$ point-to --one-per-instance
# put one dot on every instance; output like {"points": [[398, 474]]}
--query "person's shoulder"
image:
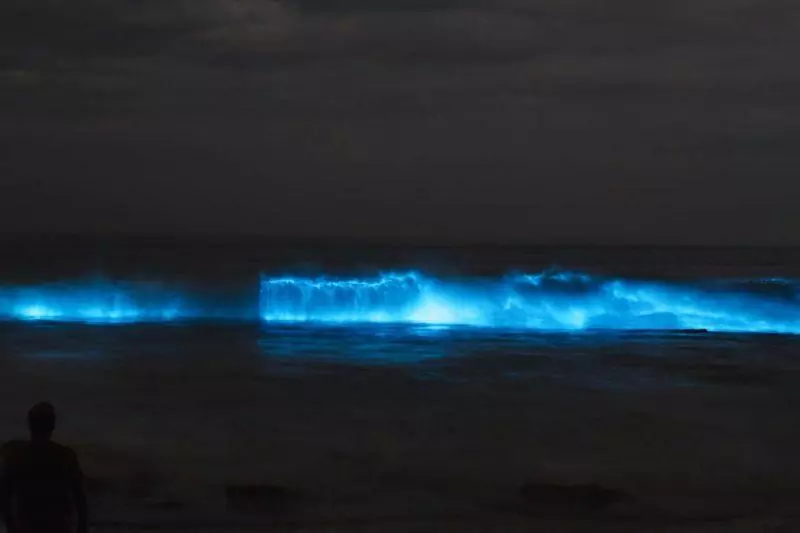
{"points": [[11, 447], [11, 452]]}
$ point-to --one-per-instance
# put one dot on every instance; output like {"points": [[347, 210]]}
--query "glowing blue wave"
{"points": [[97, 302], [552, 300]]}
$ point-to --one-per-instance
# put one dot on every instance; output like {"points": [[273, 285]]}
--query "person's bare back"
{"points": [[42, 483]]}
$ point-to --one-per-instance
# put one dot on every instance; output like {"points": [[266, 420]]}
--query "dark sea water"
{"points": [[176, 406]]}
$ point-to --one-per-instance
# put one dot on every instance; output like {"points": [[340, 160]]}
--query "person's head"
{"points": [[42, 420]]}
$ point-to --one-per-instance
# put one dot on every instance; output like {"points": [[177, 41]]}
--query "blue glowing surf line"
{"points": [[551, 300], [102, 302]]}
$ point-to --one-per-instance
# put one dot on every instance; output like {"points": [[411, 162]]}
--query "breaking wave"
{"points": [[93, 302], [551, 300]]}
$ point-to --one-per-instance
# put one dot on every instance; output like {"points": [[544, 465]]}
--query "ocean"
{"points": [[400, 380]]}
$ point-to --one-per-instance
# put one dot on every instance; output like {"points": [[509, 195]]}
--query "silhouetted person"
{"points": [[42, 484]]}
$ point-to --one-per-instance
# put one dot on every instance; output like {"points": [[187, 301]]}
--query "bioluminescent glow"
{"points": [[551, 300], [97, 302]]}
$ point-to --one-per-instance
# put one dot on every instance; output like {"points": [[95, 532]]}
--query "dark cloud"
{"points": [[41, 30], [461, 120], [370, 6], [275, 31]]}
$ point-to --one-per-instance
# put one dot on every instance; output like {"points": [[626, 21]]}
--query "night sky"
{"points": [[508, 121]]}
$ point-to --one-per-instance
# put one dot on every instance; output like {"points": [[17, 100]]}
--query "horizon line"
{"points": [[338, 240]]}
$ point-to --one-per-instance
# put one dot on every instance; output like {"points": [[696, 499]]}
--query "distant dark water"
{"points": [[241, 260]]}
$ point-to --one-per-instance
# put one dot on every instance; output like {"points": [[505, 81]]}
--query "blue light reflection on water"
{"points": [[359, 353], [637, 359], [548, 301]]}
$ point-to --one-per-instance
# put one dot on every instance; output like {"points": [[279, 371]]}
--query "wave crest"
{"points": [[550, 300]]}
